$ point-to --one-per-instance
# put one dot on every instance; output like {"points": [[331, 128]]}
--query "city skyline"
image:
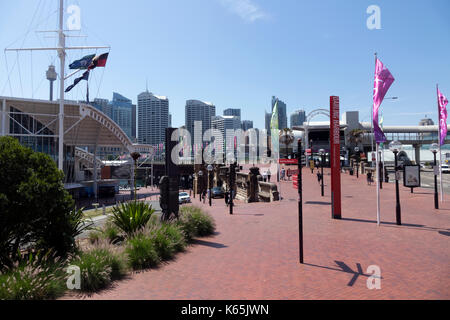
{"points": [[321, 61]]}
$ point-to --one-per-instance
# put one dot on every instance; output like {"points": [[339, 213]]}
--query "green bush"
{"points": [[99, 266], [141, 251], [33, 278], [176, 236], [132, 216], [35, 209], [195, 223]]}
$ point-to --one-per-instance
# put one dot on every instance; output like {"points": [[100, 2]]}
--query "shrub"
{"points": [[164, 246], [112, 233], [99, 266], [176, 236], [141, 251], [195, 223], [132, 216], [35, 209], [33, 278]]}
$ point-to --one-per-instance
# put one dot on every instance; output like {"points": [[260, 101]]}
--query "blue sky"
{"points": [[238, 53]]}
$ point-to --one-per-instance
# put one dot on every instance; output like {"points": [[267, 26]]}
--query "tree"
{"points": [[35, 209]]}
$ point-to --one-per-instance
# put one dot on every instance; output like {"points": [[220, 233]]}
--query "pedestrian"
{"points": [[226, 198], [204, 195], [319, 176], [283, 174], [369, 178], [268, 175]]}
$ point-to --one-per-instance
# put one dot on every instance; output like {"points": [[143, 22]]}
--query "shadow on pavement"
{"points": [[209, 244]]}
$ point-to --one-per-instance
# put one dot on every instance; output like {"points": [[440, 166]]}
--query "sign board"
{"points": [[436, 170], [335, 157], [411, 176], [288, 161]]}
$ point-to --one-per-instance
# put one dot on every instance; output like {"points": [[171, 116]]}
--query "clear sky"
{"points": [[238, 53]]}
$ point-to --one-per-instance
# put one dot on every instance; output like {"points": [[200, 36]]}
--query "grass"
{"points": [[142, 252], [195, 222], [92, 213]]}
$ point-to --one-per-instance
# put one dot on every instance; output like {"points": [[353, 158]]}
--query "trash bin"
{"points": [[351, 172]]}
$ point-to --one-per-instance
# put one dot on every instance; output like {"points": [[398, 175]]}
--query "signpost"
{"points": [[335, 158], [411, 176]]}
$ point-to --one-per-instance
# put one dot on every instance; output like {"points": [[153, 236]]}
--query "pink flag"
{"points": [[383, 81], [442, 103]]}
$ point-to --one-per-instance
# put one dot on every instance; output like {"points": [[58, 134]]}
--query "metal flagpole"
{"points": [[62, 57], [377, 163], [439, 143]]}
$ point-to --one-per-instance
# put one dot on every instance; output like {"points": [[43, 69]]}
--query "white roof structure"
{"points": [[84, 125]]}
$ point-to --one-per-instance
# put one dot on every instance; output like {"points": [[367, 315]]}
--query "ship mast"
{"points": [[61, 50]]}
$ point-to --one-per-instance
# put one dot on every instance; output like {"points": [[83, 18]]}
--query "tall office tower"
{"points": [[247, 124], [268, 119], [198, 111], [224, 123], [282, 118], [297, 118], [153, 118], [104, 106], [122, 111], [232, 112]]}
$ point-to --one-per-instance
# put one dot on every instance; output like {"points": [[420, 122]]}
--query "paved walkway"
{"points": [[254, 254]]}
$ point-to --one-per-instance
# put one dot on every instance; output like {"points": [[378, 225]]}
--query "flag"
{"points": [[85, 76], [99, 61], [382, 83], [442, 103], [274, 130], [83, 63]]}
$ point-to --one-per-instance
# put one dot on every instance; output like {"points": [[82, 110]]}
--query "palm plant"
{"points": [[132, 216]]}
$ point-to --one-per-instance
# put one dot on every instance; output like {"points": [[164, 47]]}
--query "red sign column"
{"points": [[335, 158]]}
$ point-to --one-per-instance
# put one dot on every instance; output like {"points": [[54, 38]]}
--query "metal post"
{"points": [[210, 192], [322, 174], [300, 202], [380, 172], [397, 194], [4, 117], [62, 56], [436, 197], [95, 173], [231, 181]]}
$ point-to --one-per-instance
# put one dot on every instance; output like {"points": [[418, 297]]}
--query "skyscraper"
{"points": [[153, 118], [282, 118], [232, 112], [198, 111], [247, 124], [224, 123], [122, 113], [297, 118]]}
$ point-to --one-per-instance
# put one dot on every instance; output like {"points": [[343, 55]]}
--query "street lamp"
{"points": [[434, 148], [210, 169], [396, 147], [357, 161], [322, 154]]}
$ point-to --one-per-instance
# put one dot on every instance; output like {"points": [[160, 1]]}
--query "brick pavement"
{"points": [[254, 254]]}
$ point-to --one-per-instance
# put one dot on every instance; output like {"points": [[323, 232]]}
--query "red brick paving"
{"points": [[254, 254]]}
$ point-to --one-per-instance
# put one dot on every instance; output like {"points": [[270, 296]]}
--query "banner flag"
{"points": [[382, 83], [442, 103]]}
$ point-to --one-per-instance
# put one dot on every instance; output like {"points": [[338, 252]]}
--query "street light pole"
{"points": [[397, 193], [322, 153], [300, 201], [210, 168]]}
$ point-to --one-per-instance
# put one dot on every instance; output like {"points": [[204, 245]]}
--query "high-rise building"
{"points": [[170, 120], [247, 124], [232, 112], [153, 118], [268, 119], [198, 111], [121, 110], [297, 118], [282, 118], [224, 123]]}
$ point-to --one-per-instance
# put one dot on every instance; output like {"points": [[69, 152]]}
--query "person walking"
{"points": [[226, 198], [319, 176], [204, 196], [268, 175], [369, 178]]}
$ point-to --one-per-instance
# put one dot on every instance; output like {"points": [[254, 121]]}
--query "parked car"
{"points": [[445, 168], [183, 197], [218, 192]]}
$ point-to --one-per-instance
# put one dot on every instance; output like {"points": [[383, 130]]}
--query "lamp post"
{"points": [[300, 201], [434, 148], [210, 169], [322, 154], [396, 147], [135, 156], [230, 158], [357, 161]]}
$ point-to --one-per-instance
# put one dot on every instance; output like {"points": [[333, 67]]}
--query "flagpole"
{"points": [[377, 160], [439, 142]]}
